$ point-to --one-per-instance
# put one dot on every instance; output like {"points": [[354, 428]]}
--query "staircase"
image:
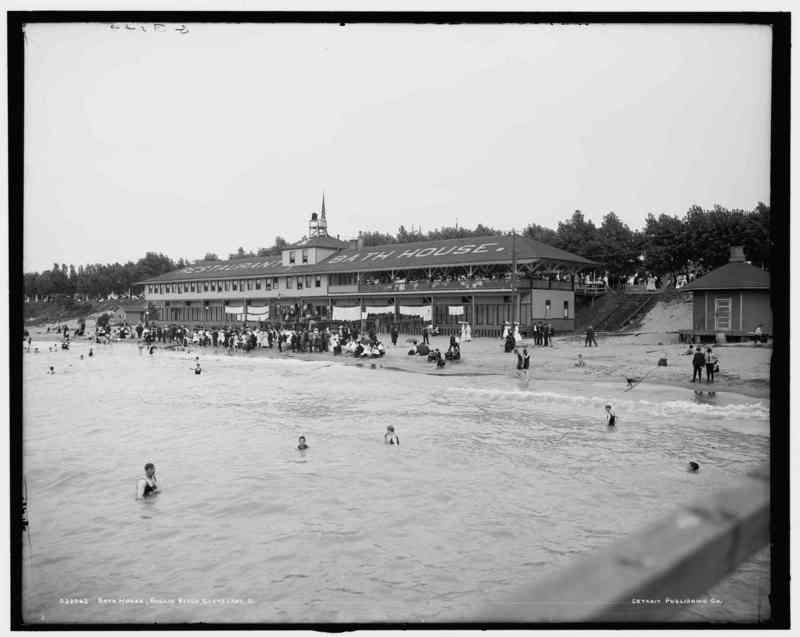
{"points": [[615, 310], [630, 307]]}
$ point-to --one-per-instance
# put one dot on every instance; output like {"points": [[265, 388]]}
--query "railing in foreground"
{"points": [[682, 556]]}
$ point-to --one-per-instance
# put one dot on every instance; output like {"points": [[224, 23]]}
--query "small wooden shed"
{"points": [[732, 300]]}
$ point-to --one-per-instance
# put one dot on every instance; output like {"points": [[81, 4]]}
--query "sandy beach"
{"points": [[744, 368]]}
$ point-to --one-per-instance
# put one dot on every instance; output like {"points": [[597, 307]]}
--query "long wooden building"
{"points": [[482, 280]]}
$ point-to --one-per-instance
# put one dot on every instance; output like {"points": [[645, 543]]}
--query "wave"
{"points": [[752, 410]]}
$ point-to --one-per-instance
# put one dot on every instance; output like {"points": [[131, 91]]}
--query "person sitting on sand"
{"points": [[693, 467], [147, 486], [580, 362], [301, 443], [611, 417], [390, 437], [52, 370], [197, 369]]}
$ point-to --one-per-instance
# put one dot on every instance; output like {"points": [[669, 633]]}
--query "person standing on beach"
{"points": [[698, 361], [711, 361], [590, 339], [395, 333]]}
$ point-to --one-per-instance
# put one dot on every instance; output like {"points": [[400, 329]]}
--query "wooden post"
{"points": [[681, 556], [474, 316]]}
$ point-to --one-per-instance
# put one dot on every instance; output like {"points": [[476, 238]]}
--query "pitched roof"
{"points": [[732, 276], [393, 256], [320, 242], [447, 253]]}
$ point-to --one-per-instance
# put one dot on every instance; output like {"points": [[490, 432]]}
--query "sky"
{"points": [[210, 137]]}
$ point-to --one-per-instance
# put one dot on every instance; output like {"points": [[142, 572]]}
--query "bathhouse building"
{"points": [[731, 301], [483, 280]]}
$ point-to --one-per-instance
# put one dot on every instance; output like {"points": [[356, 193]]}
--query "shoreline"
{"points": [[745, 369]]}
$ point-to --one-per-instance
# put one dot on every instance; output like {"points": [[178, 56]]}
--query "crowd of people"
{"points": [[341, 340]]}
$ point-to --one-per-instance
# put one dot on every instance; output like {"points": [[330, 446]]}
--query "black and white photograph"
{"points": [[398, 319]]}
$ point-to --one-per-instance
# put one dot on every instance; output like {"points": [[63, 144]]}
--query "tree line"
{"points": [[666, 244]]}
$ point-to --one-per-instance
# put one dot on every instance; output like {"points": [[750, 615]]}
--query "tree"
{"points": [[211, 256], [619, 247], [579, 236], [664, 244], [540, 233]]}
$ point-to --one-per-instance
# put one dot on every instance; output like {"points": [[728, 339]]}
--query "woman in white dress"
{"points": [[467, 333]]}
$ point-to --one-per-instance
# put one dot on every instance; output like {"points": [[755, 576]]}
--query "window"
{"points": [[305, 256], [566, 309], [289, 283], [185, 287], [547, 309], [192, 286], [227, 285], [249, 284], [299, 283], [267, 284], [308, 281], [342, 279], [234, 285], [318, 281], [258, 284], [205, 286], [275, 283], [291, 258]]}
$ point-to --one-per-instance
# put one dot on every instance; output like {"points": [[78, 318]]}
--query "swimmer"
{"points": [[693, 467], [611, 417], [148, 485], [51, 370], [301, 443], [390, 437]]}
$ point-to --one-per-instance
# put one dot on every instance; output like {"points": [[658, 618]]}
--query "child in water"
{"points": [[197, 369], [390, 437], [611, 417], [51, 370], [301, 443]]}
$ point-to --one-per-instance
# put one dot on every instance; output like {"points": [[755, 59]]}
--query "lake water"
{"points": [[494, 485]]}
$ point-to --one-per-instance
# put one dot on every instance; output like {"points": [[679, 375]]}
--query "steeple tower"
{"points": [[318, 225]]}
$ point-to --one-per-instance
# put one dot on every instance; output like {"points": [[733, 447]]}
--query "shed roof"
{"points": [[735, 275]]}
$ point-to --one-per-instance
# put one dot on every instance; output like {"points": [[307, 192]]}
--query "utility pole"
{"points": [[514, 275]]}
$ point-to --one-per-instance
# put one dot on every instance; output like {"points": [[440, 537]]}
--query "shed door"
{"points": [[722, 313]]}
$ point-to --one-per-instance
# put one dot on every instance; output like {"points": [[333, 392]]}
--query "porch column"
{"points": [[474, 313]]}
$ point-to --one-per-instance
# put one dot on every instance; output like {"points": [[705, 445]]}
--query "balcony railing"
{"points": [[480, 284], [427, 286]]}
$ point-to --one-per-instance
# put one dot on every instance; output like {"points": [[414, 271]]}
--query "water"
{"points": [[494, 484]]}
